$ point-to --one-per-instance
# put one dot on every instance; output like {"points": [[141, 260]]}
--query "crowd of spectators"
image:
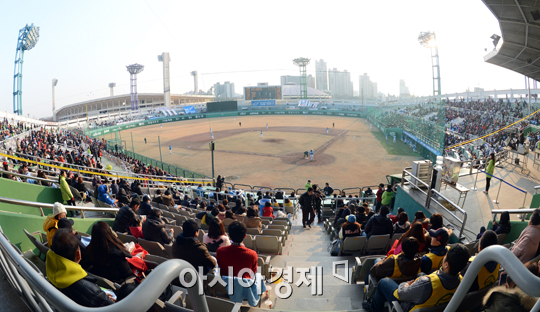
{"points": [[10, 128]]}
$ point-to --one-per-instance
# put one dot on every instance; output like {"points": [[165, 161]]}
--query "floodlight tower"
{"points": [[133, 70], [28, 37], [164, 57], [111, 86], [195, 75], [54, 83], [428, 40], [302, 62]]}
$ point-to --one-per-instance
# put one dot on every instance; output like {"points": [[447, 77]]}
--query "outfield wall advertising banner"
{"points": [[263, 103]]}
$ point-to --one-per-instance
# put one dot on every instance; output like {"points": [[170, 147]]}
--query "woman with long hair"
{"points": [[503, 226], [229, 218], [108, 255], [417, 231], [419, 216], [216, 236]]}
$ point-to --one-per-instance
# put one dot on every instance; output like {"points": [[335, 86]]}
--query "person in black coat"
{"points": [[154, 229], [380, 224], [136, 188], [76, 285], [125, 216], [108, 254], [122, 196], [145, 208]]}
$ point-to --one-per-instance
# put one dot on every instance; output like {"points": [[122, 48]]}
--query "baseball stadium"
{"points": [[287, 198]]}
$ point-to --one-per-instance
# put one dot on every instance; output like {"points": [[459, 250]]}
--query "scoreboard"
{"points": [[262, 93]]}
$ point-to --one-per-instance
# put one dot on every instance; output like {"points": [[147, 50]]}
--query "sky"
{"points": [[87, 44]]}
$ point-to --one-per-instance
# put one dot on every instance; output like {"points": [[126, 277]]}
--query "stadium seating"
{"points": [[355, 244]]}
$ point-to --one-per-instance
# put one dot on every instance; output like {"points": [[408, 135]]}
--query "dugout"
{"points": [[220, 107]]}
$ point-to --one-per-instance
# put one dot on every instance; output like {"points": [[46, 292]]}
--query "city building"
{"points": [[340, 84], [321, 75], [296, 80], [224, 91], [403, 89]]}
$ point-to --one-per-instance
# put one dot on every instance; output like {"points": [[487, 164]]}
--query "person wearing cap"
{"points": [[6, 175], [426, 291], [350, 227], [308, 185], [145, 208], [51, 222], [405, 264], [188, 247], [125, 216], [489, 273], [434, 258]]}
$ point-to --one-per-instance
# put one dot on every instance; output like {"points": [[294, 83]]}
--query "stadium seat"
{"points": [[249, 242], [276, 232], [156, 259], [355, 244], [501, 238], [177, 229], [216, 305], [268, 244], [285, 223], [377, 244], [253, 231], [41, 248], [94, 201], [163, 207], [473, 300], [167, 214], [103, 282], [361, 268], [154, 248], [125, 238], [201, 235], [180, 219], [393, 239], [397, 308]]}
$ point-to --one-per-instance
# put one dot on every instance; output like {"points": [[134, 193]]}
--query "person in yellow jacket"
{"points": [[51, 222], [489, 171], [64, 188], [65, 273], [489, 273], [426, 291]]}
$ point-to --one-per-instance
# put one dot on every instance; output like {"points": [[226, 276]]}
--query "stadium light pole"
{"points": [[302, 62], [133, 70], [54, 83], [27, 39], [429, 40]]}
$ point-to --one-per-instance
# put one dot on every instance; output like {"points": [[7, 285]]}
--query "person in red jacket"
{"points": [[379, 193], [236, 256], [268, 211]]}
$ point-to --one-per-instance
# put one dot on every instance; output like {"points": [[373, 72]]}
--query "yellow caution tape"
{"points": [[98, 173], [485, 136]]}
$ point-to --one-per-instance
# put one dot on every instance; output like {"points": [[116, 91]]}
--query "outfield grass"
{"points": [[398, 148]]}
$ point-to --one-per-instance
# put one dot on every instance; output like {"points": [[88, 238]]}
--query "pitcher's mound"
{"points": [[273, 140]]}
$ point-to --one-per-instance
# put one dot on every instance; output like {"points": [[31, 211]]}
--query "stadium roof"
{"points": [[519, 21], [293, 91]]}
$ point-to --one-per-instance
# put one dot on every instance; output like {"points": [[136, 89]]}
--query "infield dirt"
{"points": [[348, 156]]}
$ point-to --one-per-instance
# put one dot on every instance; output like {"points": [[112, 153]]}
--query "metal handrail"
{"points": [[50, 206], [513, 211], [523, 278], [27, 177], [434, 191], [141, 299]]}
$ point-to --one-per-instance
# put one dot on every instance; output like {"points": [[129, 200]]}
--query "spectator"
{"points": [[419, 216], [436, 222], [65, 273], [509, 297], [379, 224], [328, 191], [308, 185], [434, 258], [216, 236], [188, 247], [379, 194], [238, 205], [405, 264], [425, 291], [387, 195], [403, 224], [252, 220], [64, 188], [394, 218], [104, 196], [317, 203], [135, 228], [136, 188], [108, 254], [306, 203], [125, 216], [114, 188], [503, 226], [145, 207], [267, 195], [166, 199], [78, 185], [490, 168], [236, 257], [268, 210], [7, 175], [361, 214], [157, 198], [350, 228], [229, 218], [122, 196], [51, 222], [526, 246], [42, 175], [154, 228], [489, 273], [417, 231], [241, 214], [368, 192]]}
